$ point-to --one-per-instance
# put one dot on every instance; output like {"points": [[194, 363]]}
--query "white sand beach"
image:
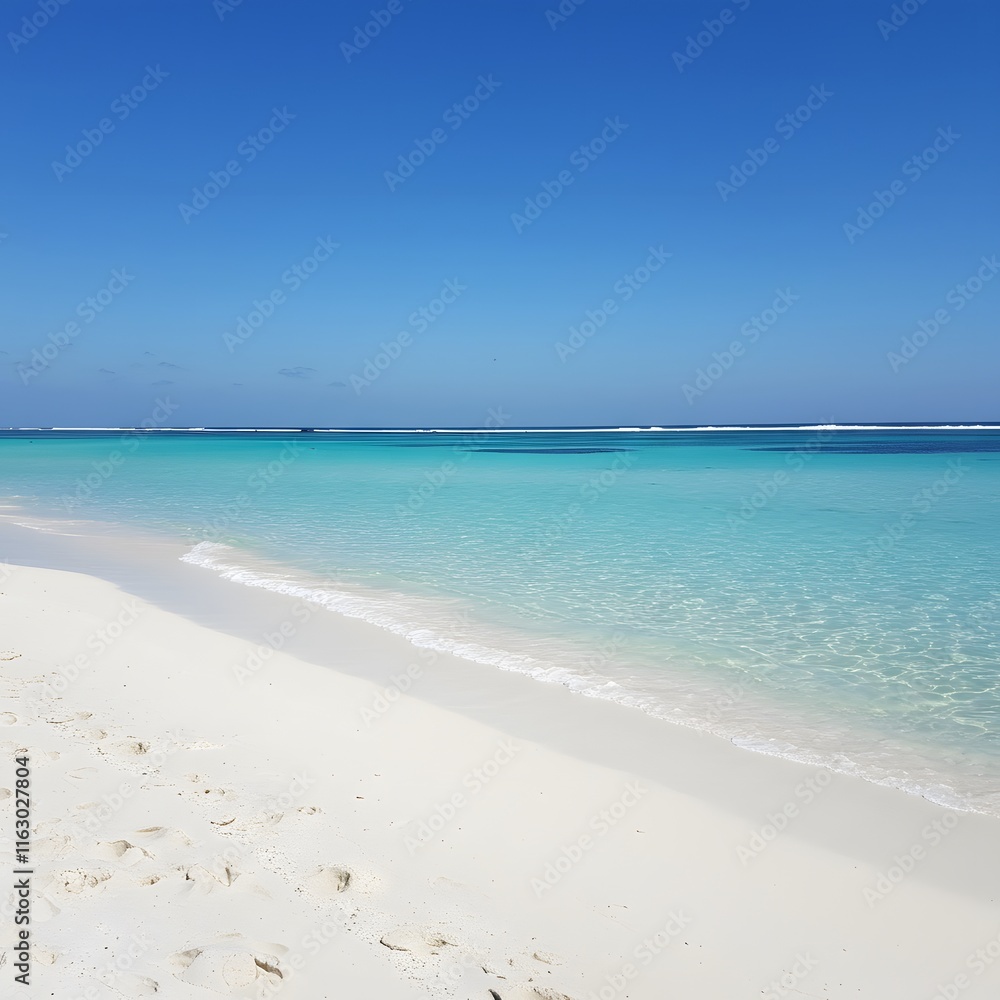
{"points": [[210, 821]]}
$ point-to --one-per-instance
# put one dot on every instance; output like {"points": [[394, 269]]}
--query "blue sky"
{"points": [[259, 138]]}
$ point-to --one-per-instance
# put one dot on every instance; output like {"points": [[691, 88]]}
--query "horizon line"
{"points": [[579, 428]]}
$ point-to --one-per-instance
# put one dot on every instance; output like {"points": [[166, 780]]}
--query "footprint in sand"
{"points": [[82, 773], [416, 940], [175, 838], [5, 793], [8, 654], [52, 845], [80, 880], [44, 909], [8, 719], [129, 984], [527, 991], [546, 957], [262, 821], [329, 881], [209, 879], [214, 794], [59, 720], [229, 968], [121, 850]]}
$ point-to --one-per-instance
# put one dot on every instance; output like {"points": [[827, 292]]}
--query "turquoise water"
{"points": [[830, 595]]}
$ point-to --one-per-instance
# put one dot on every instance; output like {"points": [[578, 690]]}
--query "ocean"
{"points": [[826, 594]]}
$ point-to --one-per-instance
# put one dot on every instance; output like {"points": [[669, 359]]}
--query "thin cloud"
{"points": [[298, 372]]}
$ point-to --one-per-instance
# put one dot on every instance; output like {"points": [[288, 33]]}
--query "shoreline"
{"points": [[580, 828], [788, 734]]}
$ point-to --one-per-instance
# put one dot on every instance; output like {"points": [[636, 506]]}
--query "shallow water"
{"points": [[827, 594]]}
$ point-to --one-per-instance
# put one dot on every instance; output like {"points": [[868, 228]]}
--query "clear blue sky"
{"points": [[212, 75]]}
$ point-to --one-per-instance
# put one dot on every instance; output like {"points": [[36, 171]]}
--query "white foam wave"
{"points": [[405, 616], [382, 611]]}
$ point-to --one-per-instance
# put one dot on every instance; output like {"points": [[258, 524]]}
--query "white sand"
{"points": [[199, 833]]}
